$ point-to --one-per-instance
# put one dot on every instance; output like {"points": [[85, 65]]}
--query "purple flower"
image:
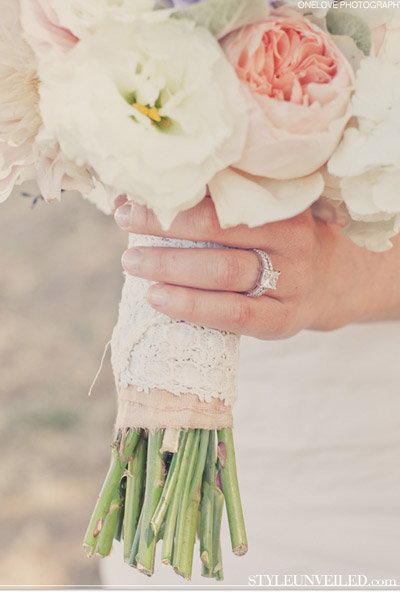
{"points": [[184, 2], [177, 3]]}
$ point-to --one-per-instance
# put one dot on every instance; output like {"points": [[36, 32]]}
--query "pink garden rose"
{"points": [[298, 87]]}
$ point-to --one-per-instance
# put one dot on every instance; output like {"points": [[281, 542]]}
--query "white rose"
{"points": [[154, 108], [368, 158]]}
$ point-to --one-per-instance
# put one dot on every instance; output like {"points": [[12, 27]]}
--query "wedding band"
{"points": [[267, 278]]}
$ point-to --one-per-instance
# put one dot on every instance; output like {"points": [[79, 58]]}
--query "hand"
{"points": [[326, 281]]}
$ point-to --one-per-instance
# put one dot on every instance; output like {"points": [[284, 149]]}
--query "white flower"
{"points": [[19, 114], [82, 16], [58, 24], [154, 108], [79, 16], [368, 158], [25, 153], [375, 235], [386, 38], [241, 198]]}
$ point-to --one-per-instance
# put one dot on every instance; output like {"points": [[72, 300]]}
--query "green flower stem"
{"points": [[195, 484], [187, 519], [207, 505], [172, 512], [121, 510], [218, 505], [122, 450], [160, 534], [135, 545], [205, 571], [185, 543], [230, 488], [133, 495], [217, 518], [189, 511], [155, 475], [198, 520], [110, 523], [170, 485], [219, 575]]}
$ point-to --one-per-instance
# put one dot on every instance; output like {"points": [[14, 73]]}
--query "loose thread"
{"points": [[100, 368]]}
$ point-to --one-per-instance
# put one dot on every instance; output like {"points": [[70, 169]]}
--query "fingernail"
{"points": [[131, 259], [123, 216], [119, 201], [321, 209], [158, 296]]}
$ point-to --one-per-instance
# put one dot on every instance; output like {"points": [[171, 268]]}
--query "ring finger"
{"points": [[204, 268]]}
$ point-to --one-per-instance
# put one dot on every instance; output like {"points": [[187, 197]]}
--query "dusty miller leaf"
{"points": [[341, 22], [221, 17]]}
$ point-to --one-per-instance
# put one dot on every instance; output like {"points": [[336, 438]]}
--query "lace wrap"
{"points": [[150, 351]]}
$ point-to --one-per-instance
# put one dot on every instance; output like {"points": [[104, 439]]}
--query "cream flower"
{"points": [[43, 29], [77, 17], [59, 24], [374, 235], [19, 114], [386, 38], [149, 107], [25, 151], [368, 158]]}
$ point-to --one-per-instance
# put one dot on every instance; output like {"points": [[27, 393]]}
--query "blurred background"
{"points": [[61, 279], [319, 472]]}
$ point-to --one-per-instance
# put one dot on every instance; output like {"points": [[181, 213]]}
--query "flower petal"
{"points": [[244, 199]]}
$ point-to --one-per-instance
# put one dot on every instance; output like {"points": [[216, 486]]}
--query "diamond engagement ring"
{"points": [[267, 278]]}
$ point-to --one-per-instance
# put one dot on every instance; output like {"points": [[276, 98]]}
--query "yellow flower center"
{"points": [[151, 112]]}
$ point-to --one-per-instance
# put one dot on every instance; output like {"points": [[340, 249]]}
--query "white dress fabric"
{"points": [[317, 436]]}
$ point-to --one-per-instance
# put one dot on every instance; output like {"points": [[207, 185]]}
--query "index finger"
{"points": [[200, 223]]}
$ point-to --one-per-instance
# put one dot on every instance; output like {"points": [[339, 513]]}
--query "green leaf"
{"points": [[221, 17], [341, 22]]}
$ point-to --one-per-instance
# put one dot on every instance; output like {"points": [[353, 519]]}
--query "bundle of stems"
{"points": [[153, 494]]}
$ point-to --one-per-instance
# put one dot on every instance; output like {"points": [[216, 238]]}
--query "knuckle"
{"points": [[148, 218], [227, 271], [161, 264], [285, 322], [192, 304], [278, 324], [240, 313], [301, 279], [207, 221], [142, 219]]}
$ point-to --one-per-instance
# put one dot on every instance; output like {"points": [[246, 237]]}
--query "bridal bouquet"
{"points": [[266, 107]]}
